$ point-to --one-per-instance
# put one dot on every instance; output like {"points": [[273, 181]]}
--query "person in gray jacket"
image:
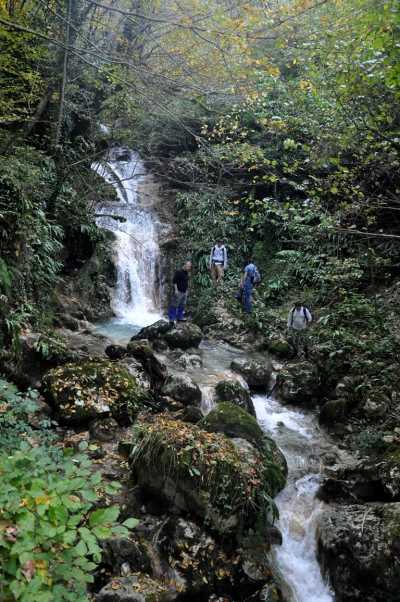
{"points": [[299, 319], [218, 261]]}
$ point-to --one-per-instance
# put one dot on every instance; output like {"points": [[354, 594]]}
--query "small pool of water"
{"points": [[118, 330]]}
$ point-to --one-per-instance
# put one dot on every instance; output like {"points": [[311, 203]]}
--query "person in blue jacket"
{"points": [[250, 278]]}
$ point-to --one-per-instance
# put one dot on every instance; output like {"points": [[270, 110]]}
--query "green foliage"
{"points": [[15, 411], [50, 532]]}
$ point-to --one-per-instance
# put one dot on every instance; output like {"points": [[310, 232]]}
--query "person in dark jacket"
{"points": [[180, 283]]}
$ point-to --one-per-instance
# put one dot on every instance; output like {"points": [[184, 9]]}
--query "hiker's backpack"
{"points": [[256, 279]]}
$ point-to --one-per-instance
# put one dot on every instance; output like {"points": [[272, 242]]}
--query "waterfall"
{"points": [[136, 297]]}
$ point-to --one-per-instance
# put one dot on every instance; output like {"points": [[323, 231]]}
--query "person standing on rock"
{"points": [[180, 283], [299, 319], [250, 278], [218, 261]]}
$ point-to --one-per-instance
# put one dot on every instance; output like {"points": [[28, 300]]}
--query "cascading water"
{"points": [[298, 436], [136, 300]]}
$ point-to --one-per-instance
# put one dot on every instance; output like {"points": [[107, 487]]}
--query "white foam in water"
{"points": [[136, 295], [296, 433]]}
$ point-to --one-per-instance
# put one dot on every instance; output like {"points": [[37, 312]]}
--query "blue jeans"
{"points": [[247, 293], [177, 308]]}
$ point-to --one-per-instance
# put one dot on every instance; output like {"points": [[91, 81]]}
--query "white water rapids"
{"points": [[136, 300], [298, 436]]}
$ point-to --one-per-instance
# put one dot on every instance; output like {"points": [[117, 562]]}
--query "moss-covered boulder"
{"points": [[278, 345], [204, 474], [92, 389], [235, 392], [233, 421], [299, 383]]}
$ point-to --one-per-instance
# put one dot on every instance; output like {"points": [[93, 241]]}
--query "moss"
{"points": [[84, 391], [205, 468], [233, 421], [233, 391]]}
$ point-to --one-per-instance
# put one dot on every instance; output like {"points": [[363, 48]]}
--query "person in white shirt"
{"points": [[299, 319], [218, 261]]}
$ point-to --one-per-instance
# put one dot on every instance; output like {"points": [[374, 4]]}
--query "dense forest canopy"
{"points": [[272, 125]]}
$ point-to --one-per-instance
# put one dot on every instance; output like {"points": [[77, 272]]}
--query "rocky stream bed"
{"points": [[172, 418]]}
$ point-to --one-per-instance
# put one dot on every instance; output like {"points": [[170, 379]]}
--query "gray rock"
{"points": [[103, 429], [299, 383], [115, 352], [256, 374], [155, 368], [359, 547], [182, 388], [186, 335], [234, 392], [187, 360], [136, 588], [154, 331]]}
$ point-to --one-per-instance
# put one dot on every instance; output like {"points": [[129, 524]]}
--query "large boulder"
{"points": [[299, 383], [93, 389], [257, 374], [182, 388], [221, 481], [359, 548], [185, 336], [235, 392], [154, 331], [236, 423]]}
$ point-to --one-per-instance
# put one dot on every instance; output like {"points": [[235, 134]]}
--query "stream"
{"points": [[136, 303]]}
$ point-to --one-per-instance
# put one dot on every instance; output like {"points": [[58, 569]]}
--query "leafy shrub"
{"points": [[15, 410], [50, 531]]}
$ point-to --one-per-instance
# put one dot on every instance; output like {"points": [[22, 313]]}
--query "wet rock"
{"points": [[187, 360], [115, 352], [256, 374], [359, 547], [154, 331], [233, 421], [334, 411], [299, 383], [189, 469], [182, 388], [279, 346], [104, 429], [157, 370], [192, 414], [236, 393], [186, 335], [136, 588], [364, 481], [270, 593], [94, 389], [119, 550]]}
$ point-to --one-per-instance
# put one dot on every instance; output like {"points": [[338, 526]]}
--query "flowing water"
{"points": [[302, 443], [136, 300], [136, 303]]}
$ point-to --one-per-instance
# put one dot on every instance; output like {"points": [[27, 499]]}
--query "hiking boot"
{"points": [[172, 323]]}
